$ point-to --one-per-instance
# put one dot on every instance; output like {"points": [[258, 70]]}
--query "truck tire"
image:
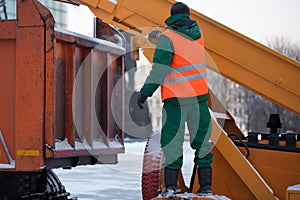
{"points": [[151, 167]]}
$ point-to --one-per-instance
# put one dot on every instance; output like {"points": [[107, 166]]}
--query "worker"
{"points": [[179, 68]]}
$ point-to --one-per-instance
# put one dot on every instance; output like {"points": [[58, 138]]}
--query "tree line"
{"points": [[252, 110]]}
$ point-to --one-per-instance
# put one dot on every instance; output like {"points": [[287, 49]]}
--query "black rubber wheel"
{"points": [[54, 188], [151, 167]]}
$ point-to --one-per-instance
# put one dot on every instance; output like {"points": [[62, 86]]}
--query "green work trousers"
{"points": [[198, 120]]}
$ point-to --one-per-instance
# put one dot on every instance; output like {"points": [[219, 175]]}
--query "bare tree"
{"points": [[285, 47], [256, 109], [290, 49]]}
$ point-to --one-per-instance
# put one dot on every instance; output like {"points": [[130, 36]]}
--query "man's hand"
{"points": [[141, 100]]}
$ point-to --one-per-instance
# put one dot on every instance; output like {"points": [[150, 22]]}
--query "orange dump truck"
{"points": [[61, 102]]}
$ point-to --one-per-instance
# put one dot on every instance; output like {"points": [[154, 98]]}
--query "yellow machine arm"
{"points": [[237, 57]]}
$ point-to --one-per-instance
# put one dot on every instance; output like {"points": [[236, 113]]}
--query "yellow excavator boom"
{"points": [[237, 57]]}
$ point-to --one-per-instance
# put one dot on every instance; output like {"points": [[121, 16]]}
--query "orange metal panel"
{"points": [[114, 93], [107, 5], [106, 16], [48, 24], [7, 88], [59, 89], [118, 103], [278, 168], [49, 103], [49, 82], [99, 87], [70, 76], [78, 107], [79, 63], [227, 182], [30, 76], [110, 99], [8, 29], [93, 3], [142, 13], [26, 18], [293, 193], [239, 164], [87, 99], [105, 102]]}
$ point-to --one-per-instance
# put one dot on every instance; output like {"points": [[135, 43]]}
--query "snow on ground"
{"points": [[121, 181]]}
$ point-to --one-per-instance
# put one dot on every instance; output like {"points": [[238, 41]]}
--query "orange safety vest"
{"points": [[188, 75]]}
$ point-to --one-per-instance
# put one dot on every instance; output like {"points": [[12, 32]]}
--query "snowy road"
{"points": [[114, 182]]}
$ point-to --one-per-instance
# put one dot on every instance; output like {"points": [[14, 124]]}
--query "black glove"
{"points": [[141, 100]]}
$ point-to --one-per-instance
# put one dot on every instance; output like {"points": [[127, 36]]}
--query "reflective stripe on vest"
{"points": [[188, 75], [179, 77]]}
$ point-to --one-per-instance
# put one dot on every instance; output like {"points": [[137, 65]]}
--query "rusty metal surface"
{"points": [[8, 29], [86, 62], [44, 114], [86, 72], [7, 86]]}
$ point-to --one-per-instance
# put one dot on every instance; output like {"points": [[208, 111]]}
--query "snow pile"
{"points": [[61, 145]]}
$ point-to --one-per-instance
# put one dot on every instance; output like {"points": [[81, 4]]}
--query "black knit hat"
{"points": [[181, 8]]}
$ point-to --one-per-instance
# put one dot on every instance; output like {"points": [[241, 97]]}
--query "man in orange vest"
{"points": [[179, 68]]}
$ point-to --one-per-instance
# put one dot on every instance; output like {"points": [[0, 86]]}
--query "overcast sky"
{"points": [[260, 20]]}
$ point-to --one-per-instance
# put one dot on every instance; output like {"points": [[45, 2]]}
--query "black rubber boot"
{"points": [[170, 178], [204, 179]]}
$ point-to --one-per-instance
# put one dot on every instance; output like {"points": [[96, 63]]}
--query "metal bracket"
{"points": [[51, 148]]}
